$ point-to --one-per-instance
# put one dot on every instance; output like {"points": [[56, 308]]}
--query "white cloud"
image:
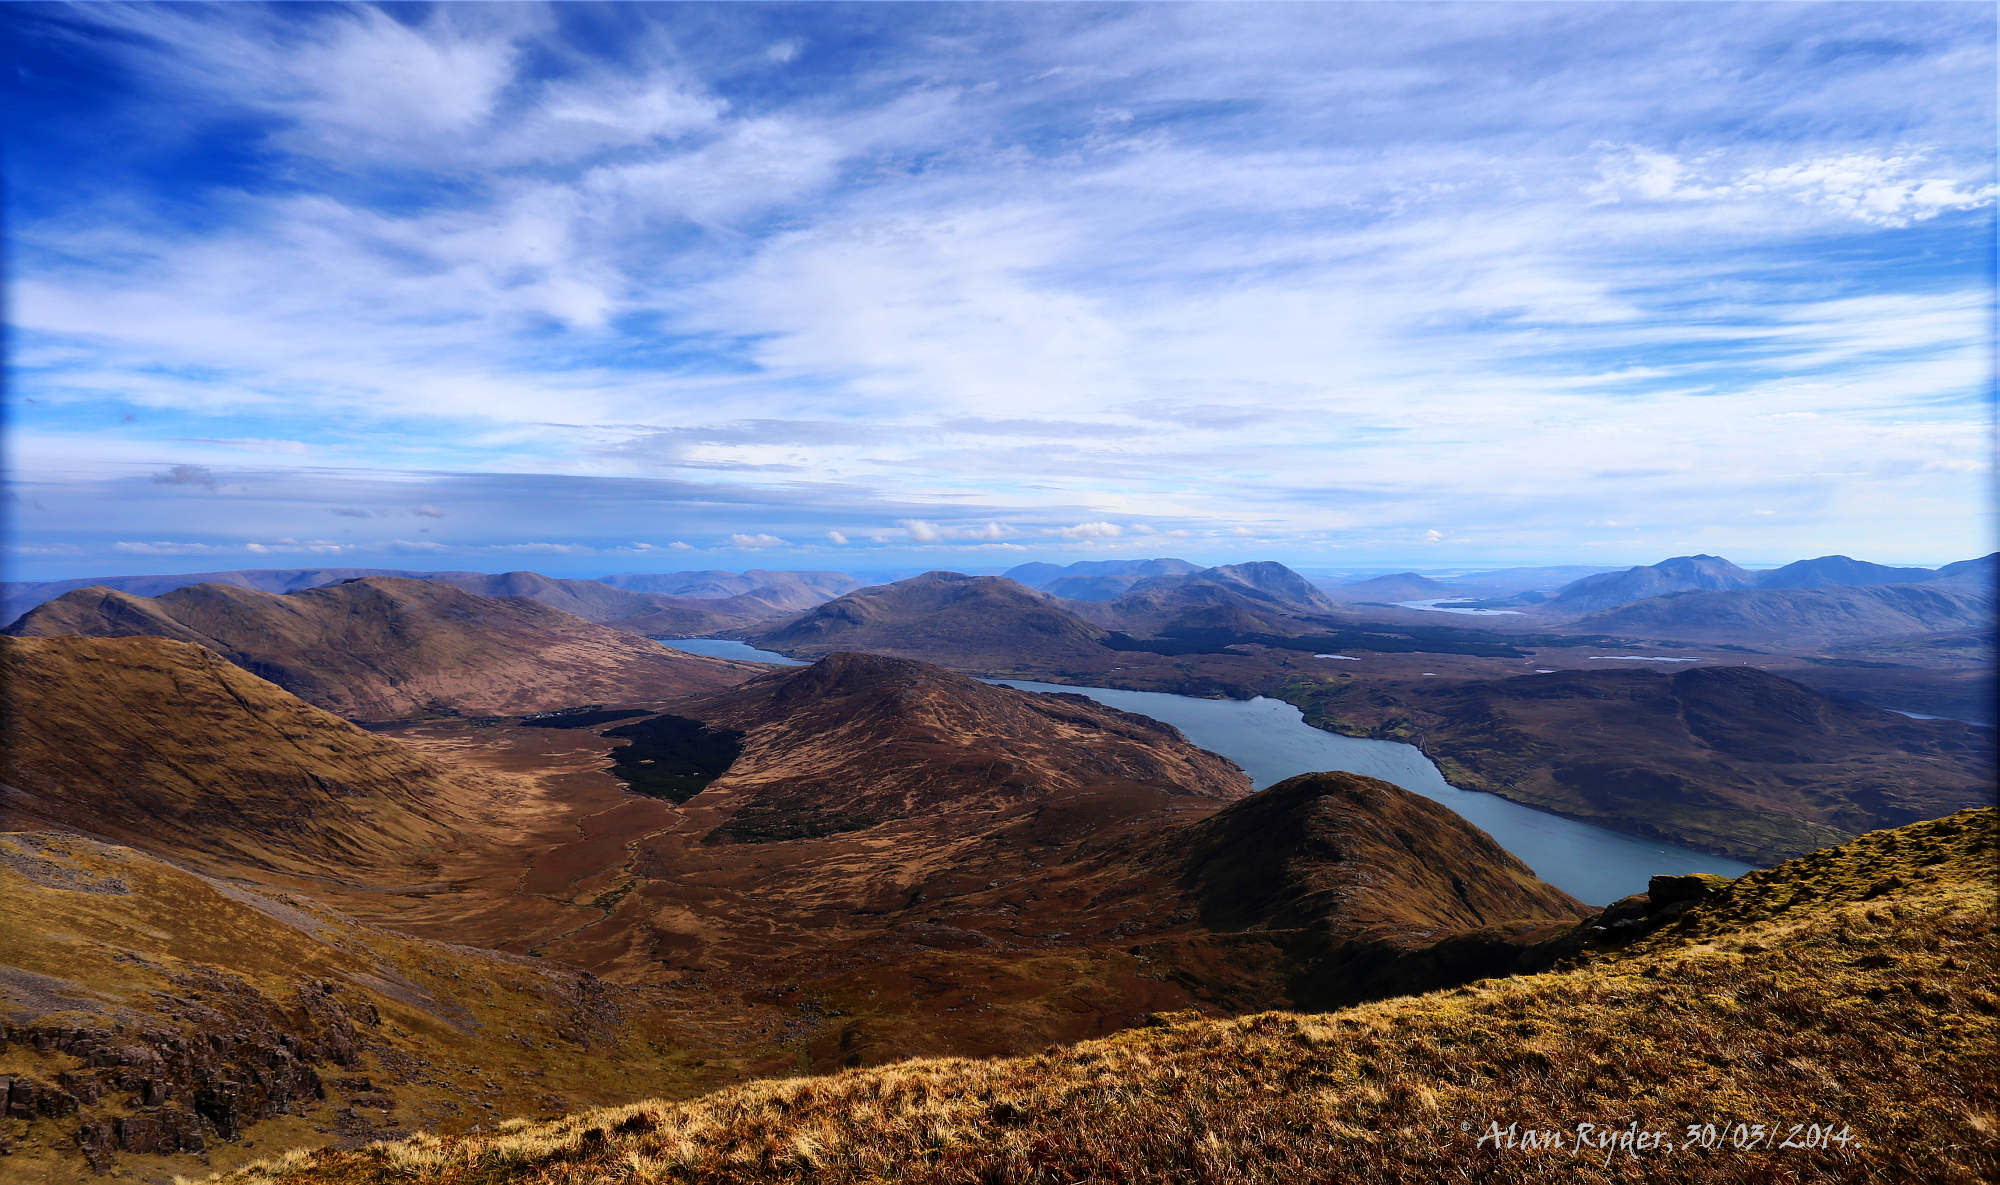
{"points": [[167, 547], [753, 166], [1092, 530], [379, 80], [311, 546], [541, 547], [1674, 260], [1881, 189], [836, 538], [756, 541], [574, 118]]}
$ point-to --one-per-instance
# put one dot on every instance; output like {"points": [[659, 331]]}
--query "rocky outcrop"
{"points": [[238, 1056]]}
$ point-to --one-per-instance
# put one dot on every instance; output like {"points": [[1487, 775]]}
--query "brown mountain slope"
{"points": [[1385, 861], [986, 623], [1353, 888], [887, 828], [637, 611], [156, 1022], [899, 861], [385, 649], [1843, 1004], [17, 597], [164, 745], [863, 737], [1727, 759]]}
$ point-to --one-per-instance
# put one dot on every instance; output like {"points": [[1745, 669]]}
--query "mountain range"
{"points": [[1729, 759], [387, 648], [995, 625], [976, 622], [897, 863], [1251, 597], [796, 590], [1095, 580], [1401, 586], [563, 866], [661, 602], [894, 863], [1804, 615], [1708, 573]]}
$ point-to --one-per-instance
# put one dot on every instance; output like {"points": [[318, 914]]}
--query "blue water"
{"points": [[729, 648], [1960, 719], [1437, 605], [1271, 741]]}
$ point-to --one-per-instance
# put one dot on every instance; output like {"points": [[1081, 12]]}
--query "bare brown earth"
{"points": [[384, 648], [1006, 870]]}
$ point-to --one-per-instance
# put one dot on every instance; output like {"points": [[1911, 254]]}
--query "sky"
{"points": [[591, 289]]}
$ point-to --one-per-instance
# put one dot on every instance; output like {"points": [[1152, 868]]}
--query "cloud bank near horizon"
{"points": [[1340, 284]]}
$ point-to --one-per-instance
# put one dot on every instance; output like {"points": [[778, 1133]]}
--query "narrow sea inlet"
{"points": [[1271, 741]]}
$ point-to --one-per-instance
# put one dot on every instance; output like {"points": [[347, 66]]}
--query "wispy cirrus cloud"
{"points": [[1011, 274]]}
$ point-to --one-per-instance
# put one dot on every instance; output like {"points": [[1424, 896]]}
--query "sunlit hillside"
{"points": [[1842, 1004]]}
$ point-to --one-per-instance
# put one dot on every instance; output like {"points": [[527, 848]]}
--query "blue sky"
{"points": [[589, 289]]}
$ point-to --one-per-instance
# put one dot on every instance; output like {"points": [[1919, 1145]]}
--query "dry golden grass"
{"points": [[1855, 988], [104, 940]]}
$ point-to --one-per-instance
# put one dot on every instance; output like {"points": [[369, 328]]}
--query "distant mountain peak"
{"points": [[988, 622], [1096, 580], [1683, 573]]}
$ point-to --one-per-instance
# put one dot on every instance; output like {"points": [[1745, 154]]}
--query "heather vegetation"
{"points": [[1852, 988]]}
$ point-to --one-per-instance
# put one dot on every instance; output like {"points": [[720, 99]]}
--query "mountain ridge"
{"points": [[130, 739], [1095, 580], [981, 621], [1803, 615], [382, 648], [1727, 759]]}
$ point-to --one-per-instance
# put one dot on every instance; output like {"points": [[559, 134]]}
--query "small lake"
{"points": [[729, 648], [1960, 719], [1438, 605], [1271, 741]]}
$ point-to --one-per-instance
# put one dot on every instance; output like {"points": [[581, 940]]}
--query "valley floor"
{"points": [[1832, 1019]]}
